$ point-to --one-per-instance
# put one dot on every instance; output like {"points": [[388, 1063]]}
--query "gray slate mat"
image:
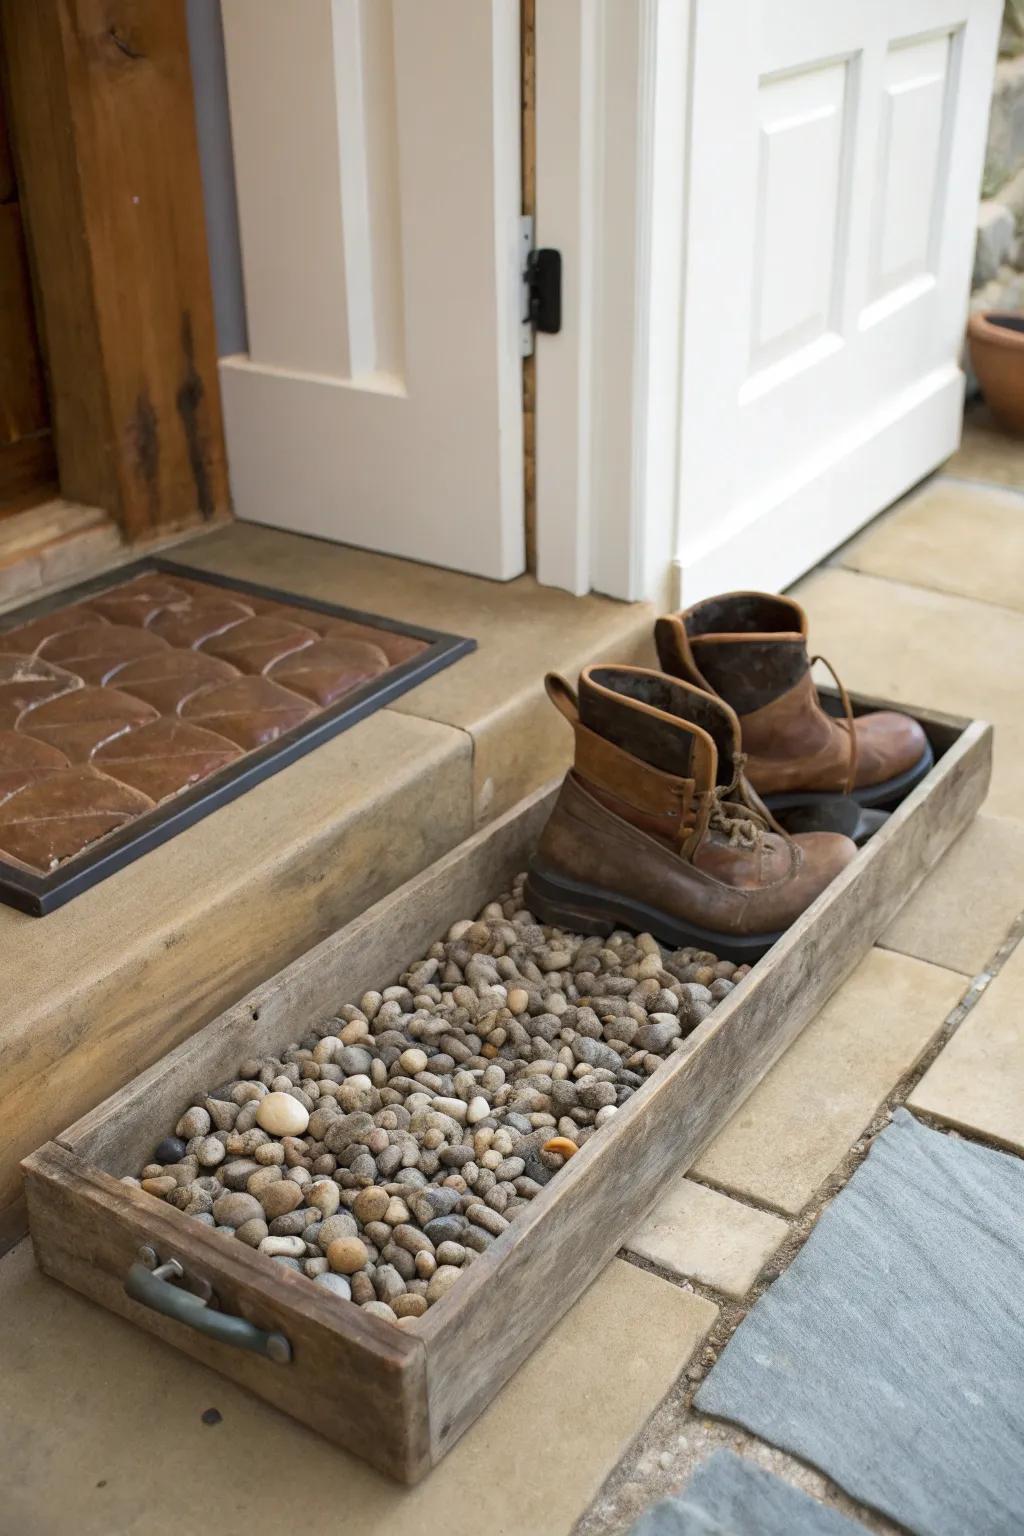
{"points": [[891, 1353], [728, 1496]]}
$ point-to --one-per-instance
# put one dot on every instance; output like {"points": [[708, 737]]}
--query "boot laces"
{"points": [[738, 819], [848, 723]]}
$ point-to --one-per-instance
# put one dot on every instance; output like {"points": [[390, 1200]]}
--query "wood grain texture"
{"points": [[8, 184], [100, 98], [28, 473], [552, 1252], [28, 466], [355, 1378], [478, 1335], [23, 406]]}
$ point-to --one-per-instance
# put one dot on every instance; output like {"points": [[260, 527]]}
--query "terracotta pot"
{"points": [[997, 353]]}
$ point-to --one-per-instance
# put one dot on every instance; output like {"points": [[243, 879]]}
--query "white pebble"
{"points": [[380, 1309], [282, 1115], [284, 1247], [210, 1152], [443, 1279], [413, 1061], [457, 1109], [477, 1109], [605, 1113]]}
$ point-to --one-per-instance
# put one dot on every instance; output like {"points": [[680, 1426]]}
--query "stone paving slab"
{"points": [[963, 911], [698, 1234], [915, 646], [977, 1082], [728, 1494], [889, 1354], [986, 452], [802, 1119], [953, 536], [102, 1430]]}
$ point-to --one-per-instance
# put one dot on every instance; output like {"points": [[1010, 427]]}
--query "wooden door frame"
{"points": [[101, 112]]}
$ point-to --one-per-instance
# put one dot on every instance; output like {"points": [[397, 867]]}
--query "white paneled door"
{"points": [[833, 171], [376, 148]]}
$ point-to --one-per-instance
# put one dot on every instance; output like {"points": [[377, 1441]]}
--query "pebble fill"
{"points": [[382, 1153]]}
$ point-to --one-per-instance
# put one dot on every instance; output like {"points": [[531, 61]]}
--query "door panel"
{"points": [[28, 469], [826, 292], [376, 152]]}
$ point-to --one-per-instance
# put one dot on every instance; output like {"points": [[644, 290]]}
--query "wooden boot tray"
{"points": [[400, 1398]]}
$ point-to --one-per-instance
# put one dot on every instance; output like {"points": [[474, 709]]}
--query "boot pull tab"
{"points": [[563, 696], [675, 653], [670, 640]]}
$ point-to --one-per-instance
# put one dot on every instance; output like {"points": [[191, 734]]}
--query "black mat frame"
{"points": [[40, 894]]}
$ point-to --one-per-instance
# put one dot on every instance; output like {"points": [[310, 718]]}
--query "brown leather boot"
{"points": [[750, 649], [656, 829]]}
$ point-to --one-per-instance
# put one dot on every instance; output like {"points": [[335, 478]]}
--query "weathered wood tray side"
{"points": [[552, 1252], [363, 1385], [87, 1227]]}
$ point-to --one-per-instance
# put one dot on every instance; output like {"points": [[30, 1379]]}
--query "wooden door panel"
{"points": [[8, 187], [23, 405], [28, 467]]}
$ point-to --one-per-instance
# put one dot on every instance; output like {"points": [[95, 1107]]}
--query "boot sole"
{"points": [[580, 908], [877, 797]]}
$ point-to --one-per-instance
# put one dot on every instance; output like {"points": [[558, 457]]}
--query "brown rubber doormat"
{"points": [[891, 1353], [134, 704]]}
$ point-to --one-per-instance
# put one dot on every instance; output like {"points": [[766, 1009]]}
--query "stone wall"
{"points": [[999, 259]]}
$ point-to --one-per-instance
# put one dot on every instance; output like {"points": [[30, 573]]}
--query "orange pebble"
{"points": [[562, 1145]]}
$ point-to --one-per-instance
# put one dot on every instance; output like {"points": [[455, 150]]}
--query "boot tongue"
{"points": [[608, 706]]}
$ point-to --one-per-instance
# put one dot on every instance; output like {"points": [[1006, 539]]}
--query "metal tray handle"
{"points": [[152, 1288]]}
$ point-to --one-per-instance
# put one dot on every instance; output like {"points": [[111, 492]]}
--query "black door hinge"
{"points": [[542, 288]]}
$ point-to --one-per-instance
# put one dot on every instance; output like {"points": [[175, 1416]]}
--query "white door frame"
{"points": [[614, 183], [611, 112]]}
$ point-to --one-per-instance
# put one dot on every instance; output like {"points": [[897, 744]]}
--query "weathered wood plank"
{"points": [[28, 473], [354, 1378], [8, 184], [551, 1253], [102, 122], [23, 407]]}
